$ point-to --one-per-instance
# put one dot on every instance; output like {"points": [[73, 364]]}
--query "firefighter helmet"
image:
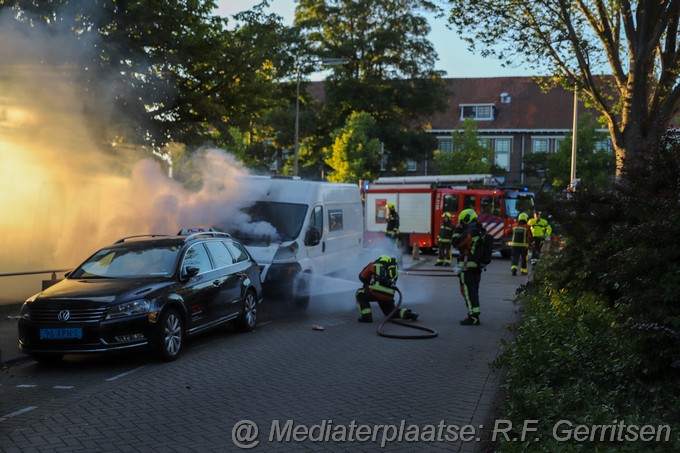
{"points": [[523, 216], [390, 205], [385, 259], [466, 216], [446, 215]]}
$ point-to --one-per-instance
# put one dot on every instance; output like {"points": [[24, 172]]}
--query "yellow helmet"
{"points": [[447, 215], [390, 205], [523, 216], [466, 216]]}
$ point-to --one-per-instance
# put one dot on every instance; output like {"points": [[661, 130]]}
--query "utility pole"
{"points": [[574, 137]]}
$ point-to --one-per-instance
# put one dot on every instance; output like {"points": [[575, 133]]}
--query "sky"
{"points": [[454, 58]]}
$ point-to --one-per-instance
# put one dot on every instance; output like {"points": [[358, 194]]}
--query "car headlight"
{"points": [[287, 252], [136, 307], [25, 312]]}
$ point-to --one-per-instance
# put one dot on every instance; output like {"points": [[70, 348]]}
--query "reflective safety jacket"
{"points": [[369, 277], [521, 235], [468, 239], [392, 222], [445, 231], [540, 228]]}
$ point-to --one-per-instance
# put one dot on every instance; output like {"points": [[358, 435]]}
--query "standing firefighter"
{"points": [[379, 279], [392, 230], [540, 231], [468, 237], [521, 238], [444, 240]]}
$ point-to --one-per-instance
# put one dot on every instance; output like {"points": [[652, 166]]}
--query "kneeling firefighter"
{"points": [[379, 278]]}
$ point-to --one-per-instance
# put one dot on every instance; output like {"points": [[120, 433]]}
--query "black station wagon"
{"points": [[144, 292]]}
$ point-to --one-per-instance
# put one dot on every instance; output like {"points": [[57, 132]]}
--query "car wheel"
{"points": [[48, 359], [170, 335], [248, 318]]}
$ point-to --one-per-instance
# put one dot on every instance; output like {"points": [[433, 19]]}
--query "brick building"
{"points": [[513, 115]]}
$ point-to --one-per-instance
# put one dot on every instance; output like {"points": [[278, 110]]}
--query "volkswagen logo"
{"points": [[64, 315]]}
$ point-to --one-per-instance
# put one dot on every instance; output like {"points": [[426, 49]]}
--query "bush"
{"points": [[598, 343]]}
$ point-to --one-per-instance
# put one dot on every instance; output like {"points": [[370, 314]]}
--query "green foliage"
{"points": [[570, 44], [159, 71], [355, 153], [595, 167], [469, 155], [390, 72], [599, 339]]}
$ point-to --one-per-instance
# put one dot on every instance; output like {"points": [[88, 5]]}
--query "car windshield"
{"points": [[286, 218], [517, 202], [129, 262]]}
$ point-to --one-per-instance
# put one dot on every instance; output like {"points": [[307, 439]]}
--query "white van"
{"points": [[298, 228]]}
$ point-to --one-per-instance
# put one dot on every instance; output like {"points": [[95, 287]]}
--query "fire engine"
{"points": [[422, 200]]}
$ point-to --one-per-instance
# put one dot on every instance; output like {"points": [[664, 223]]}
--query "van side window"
{"points": [[219, 253], [197, 256], [450, 202], [237, 251], [334, 219], [316, 219]]}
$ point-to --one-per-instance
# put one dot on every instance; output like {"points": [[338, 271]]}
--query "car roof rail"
{"points": [[218, 234], [140, 236]]}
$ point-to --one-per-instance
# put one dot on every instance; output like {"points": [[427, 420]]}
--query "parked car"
{"points": [[144, 292]]}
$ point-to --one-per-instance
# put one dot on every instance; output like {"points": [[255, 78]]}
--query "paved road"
{"points": [[335, 387]]}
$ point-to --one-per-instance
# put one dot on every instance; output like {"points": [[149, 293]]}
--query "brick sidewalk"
{"points": [[288, 371]]}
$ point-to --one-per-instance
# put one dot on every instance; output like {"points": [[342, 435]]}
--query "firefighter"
{"points": [[444, 240], [379, 278], [521, 238], [467, 238], [392, 230], [540, 231]]}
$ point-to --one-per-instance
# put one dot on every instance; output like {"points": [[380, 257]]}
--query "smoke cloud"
{"points": [[61, 195]]}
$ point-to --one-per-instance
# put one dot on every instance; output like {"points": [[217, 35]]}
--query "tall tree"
{"points": [[390, 71], [635, 41], [166, 70], [469, 155], [355, 153]]}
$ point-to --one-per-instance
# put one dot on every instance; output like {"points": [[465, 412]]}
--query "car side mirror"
{"points": [[190, 272], [313, 236]]}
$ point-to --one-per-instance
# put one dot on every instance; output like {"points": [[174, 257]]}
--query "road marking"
{"points": [[126, 373], [26, 386], [19, 412], [63, 387]]}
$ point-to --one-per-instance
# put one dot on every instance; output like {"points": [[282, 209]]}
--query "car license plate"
{"points": [[61, 333]]}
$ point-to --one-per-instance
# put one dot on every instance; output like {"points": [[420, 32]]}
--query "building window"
{"points": [[411, 165], [540, 145], [477, 112], [501, 148], [604, 145], [445, 145]]}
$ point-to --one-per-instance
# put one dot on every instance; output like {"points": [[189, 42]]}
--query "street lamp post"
{"points": [[324, 62]]}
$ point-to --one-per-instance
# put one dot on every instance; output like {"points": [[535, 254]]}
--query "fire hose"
{"points": [[431, 333]]}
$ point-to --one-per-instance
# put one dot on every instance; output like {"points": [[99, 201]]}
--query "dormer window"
{"points": [[479, 112]]}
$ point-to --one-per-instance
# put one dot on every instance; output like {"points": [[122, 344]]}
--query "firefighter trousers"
{"points": [[469, 288], [364, 296], [520, 256], [444, 255]]}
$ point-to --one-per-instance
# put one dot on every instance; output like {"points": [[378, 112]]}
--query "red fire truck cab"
{"points": [[422, 200]]}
